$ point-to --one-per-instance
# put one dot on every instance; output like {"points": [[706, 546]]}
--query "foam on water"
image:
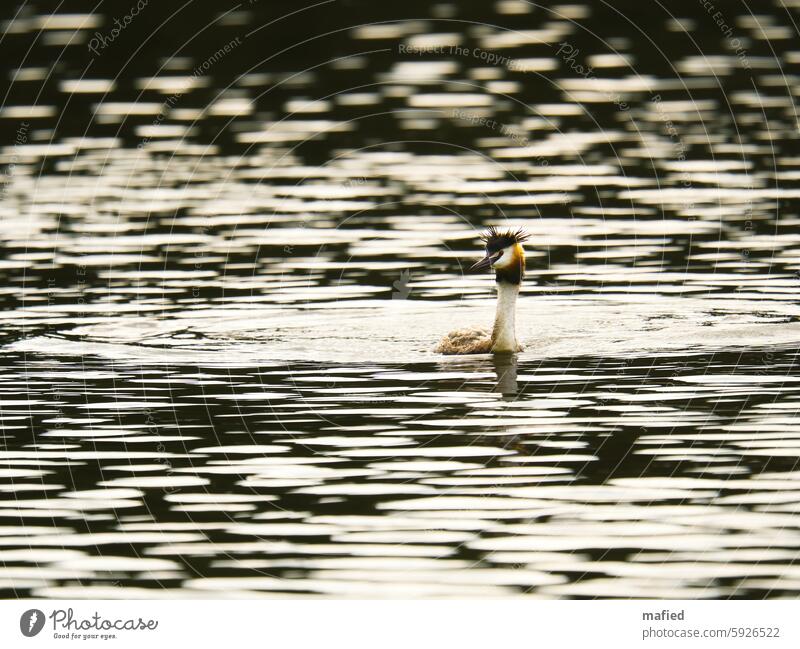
{"points": [[406, 331]]}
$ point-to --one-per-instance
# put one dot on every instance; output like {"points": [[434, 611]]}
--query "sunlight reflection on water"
{"points": [[218, 377]]}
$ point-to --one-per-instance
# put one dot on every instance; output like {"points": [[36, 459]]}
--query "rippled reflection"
{"points": [[221, 291]]}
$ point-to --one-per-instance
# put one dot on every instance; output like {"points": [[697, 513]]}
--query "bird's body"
{"points": [[466, 341], [505, 255]]}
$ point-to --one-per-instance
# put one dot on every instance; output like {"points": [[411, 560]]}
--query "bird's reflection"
{"points": [[505, 367]]}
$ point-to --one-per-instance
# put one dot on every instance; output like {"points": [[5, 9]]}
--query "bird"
{"points": [[505, 255]]}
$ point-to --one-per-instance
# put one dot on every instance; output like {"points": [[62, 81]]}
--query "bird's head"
{"points": [[504, 254]]}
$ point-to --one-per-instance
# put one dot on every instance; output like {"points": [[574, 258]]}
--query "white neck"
{"points": [[504, 338]]}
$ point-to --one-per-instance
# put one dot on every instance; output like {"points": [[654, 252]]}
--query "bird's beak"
{"points": [[487, 261]]}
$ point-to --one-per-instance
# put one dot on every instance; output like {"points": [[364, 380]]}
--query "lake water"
{"points": [[231, 240]]}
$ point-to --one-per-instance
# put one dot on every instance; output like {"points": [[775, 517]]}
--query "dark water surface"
{"points": [[231, 237]]}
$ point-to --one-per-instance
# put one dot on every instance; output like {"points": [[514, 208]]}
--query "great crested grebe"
{"points": [[505, 255]]}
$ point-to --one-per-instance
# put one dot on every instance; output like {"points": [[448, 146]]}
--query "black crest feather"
{"points": [[497, 240]]}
